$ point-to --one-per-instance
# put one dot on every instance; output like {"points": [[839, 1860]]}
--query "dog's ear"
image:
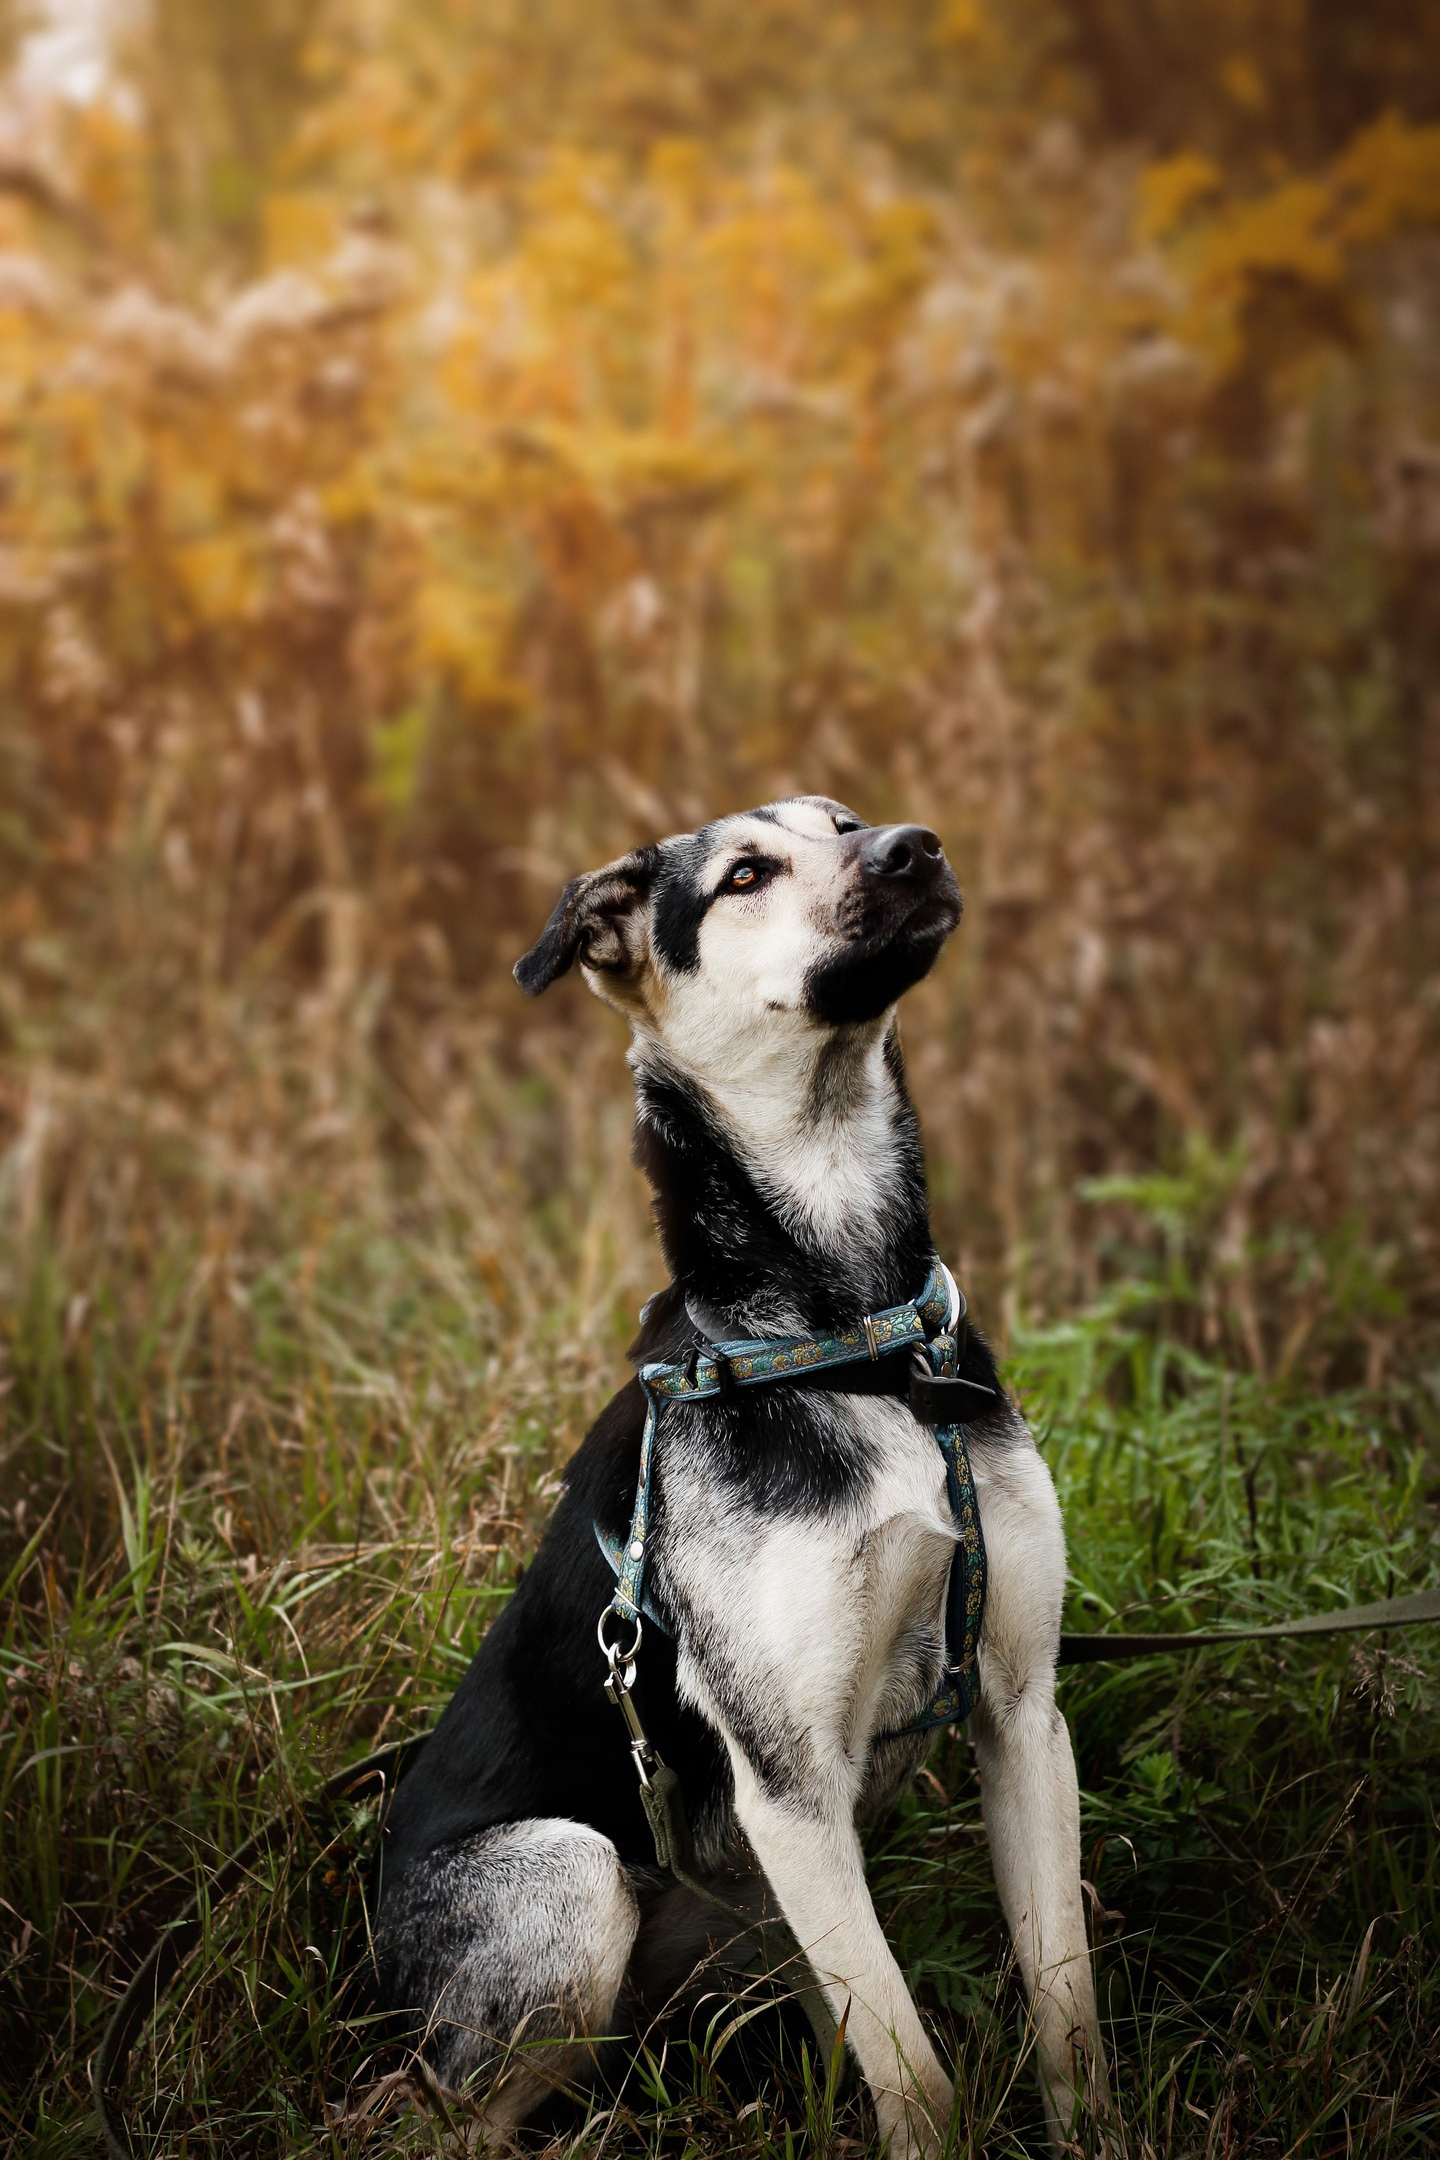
{"points": [[589, 922]]}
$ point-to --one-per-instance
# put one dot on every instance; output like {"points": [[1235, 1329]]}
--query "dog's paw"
{"points": [[913, 2125]]}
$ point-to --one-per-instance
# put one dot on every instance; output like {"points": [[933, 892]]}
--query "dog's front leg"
{"points": [[1032, 1814], [1028, 1786], [811, 1856]]}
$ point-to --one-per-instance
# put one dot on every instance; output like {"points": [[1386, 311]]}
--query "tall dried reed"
{"points": [[346, 613]]}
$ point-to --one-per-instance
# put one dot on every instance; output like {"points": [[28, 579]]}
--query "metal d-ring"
{"points": [[959, 1310], [621, 1663]]}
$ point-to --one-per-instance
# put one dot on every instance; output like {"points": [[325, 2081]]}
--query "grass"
{"points": [[236, 1560]]}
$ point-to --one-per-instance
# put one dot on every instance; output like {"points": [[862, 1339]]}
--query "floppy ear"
{"points": [[589, 921]]}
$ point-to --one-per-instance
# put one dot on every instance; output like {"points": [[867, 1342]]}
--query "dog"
{"points": [[801, 1538]]}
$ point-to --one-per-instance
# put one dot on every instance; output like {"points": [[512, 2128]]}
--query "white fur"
{"points": [[555, 1919]]}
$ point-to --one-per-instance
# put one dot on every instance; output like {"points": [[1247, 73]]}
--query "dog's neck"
{"points": [[790, 1192]]}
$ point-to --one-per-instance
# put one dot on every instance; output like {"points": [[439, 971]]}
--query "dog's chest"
{"points": [[831, 1612]]}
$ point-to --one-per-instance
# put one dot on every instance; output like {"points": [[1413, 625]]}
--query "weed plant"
{"points": [[216, 1596]]}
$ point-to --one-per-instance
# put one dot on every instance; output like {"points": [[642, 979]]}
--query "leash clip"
{"points": [[619, 1683]]}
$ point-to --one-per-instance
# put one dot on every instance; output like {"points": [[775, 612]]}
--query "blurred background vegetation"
{"points": [[444, 442]]}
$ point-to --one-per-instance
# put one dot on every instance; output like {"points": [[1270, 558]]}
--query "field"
{"points": [[443, 444], [306, 1571]]}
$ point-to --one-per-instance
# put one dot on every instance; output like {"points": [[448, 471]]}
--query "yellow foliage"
{"points": [[960, 22], [602, 433], [107, 175], [1388, 179], [1302, 236], [399, 746], [457, 629], [1170, 190], [299, 228], [1287, 231], [215, 576]]}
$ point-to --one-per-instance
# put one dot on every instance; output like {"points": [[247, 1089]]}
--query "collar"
{"points": [[747, 1362]]}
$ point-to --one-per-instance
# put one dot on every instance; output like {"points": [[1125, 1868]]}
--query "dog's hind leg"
{"points": [[1028, 1786], [507, 1950]]}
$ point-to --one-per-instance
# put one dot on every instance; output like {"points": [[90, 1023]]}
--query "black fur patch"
{"points": [[680, 906], [528, 1732], [858, 983], [682, 902], [730, 1252]]}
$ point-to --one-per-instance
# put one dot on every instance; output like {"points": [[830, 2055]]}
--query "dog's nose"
{"points": [[904, 851]]}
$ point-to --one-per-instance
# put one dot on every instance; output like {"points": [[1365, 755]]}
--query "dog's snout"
{"points": [[904, 851]]}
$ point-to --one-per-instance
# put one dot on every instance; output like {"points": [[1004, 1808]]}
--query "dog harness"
{"points": [[932, 1330]]}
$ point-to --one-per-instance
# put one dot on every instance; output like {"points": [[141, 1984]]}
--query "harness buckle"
{"points": [[939, 1398], [871, 1339]]}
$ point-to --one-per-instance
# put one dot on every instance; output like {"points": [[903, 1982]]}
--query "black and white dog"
{"points": [[801, 1538]]}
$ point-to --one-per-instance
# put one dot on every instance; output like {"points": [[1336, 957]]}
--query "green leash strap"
{"points": [[1114, 1649]]}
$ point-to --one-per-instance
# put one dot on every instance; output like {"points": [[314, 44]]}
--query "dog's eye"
{"points": [[848, 824], [743, 875]]}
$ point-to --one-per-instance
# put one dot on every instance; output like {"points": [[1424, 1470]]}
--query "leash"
{"points": [[1119, 1649]]}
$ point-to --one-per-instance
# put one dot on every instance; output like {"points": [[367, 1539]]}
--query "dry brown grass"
{"points": [[343, 617]]}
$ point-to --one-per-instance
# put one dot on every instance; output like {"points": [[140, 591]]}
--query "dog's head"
{"points": [[797, 914]]}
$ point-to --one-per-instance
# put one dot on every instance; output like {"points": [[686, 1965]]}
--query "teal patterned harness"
{"points": [[926, 1328]]}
